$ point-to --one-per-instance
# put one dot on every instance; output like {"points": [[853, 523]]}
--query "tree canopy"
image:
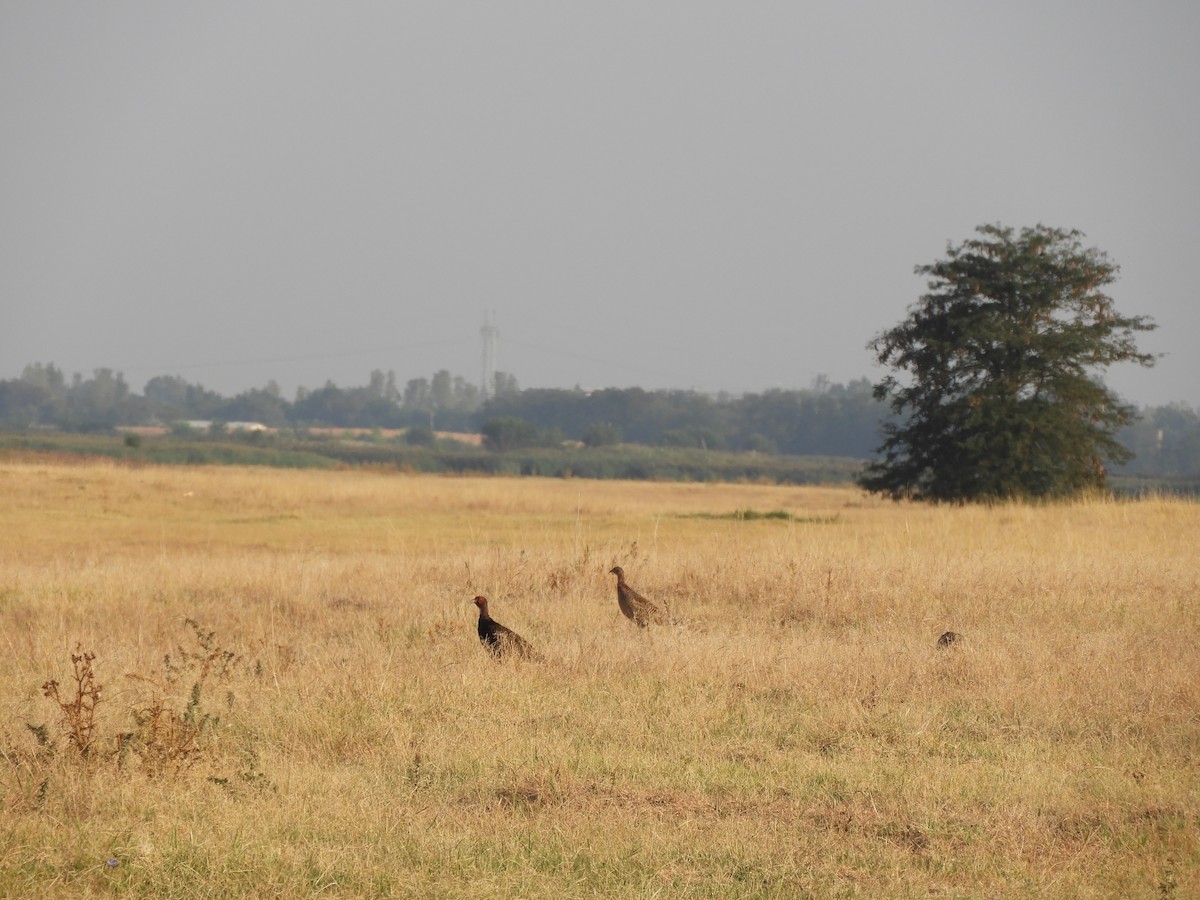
{"points": [[1001, 395]]}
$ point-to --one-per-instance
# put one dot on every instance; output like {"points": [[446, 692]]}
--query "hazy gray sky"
{"points": [[720, 196]]}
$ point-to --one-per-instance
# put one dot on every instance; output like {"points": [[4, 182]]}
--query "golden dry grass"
{"points": [[798, 735]]}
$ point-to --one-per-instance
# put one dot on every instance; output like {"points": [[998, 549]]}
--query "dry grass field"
{"points": [[277, 690]]}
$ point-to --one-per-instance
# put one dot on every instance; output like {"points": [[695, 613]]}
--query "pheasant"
{"points": [[948, 638], [633, 605], [498, 639]]}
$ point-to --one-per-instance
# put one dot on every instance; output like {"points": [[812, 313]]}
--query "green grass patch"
{"points": [[754, 515], [626, 462]]}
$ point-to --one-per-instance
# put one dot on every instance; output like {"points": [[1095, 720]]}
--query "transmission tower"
{"points": [[491, 334]]}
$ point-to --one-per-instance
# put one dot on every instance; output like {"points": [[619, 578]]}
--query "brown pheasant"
{"points": [[498, 639], [948, 638], [633, 605]]}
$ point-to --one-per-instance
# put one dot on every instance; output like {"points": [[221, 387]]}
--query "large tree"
{"points": [[995, 384]]}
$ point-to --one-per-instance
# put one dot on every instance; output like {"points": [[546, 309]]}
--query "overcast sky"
{"points": [[719, 196]]}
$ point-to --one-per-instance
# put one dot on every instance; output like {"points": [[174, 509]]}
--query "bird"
{"points": [[633, 605], [948, 638], [499, 639]]}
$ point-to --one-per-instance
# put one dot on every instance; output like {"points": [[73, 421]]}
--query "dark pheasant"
{"points": [[948, 638], [498, 639], [633, 605]]}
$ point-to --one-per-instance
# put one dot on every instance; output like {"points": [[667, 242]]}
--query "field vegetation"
{"points": [[234, 681], [347, 448], [340, 450]]}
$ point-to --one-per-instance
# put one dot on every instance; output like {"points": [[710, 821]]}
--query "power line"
{"points": [[300, 357], [608, 363]]}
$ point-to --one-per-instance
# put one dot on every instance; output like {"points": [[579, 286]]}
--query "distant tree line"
{"points": [[826, 419], [43, 396]]}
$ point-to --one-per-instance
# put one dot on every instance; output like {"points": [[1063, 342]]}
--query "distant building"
{"points": [[207, 424]]}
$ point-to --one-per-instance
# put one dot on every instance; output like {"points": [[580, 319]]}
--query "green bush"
{"points": [[602, 434]]}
